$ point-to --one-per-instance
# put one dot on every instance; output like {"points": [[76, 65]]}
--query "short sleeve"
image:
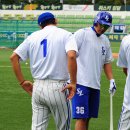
{"points": [[109, 57], [71, 44], [23, 50], [122, 61], [79, 36]]}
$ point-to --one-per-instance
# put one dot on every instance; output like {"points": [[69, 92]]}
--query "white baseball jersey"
{"points": [[124, 62], [47, 50], [94, 52]]}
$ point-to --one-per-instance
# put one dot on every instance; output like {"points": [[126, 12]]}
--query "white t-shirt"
{"points": [[47, 50], [94, 52], [124, 62]]}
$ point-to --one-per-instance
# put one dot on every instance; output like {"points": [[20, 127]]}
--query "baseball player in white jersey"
{"points": [[94, 55], [50, 51], [124, 62]]}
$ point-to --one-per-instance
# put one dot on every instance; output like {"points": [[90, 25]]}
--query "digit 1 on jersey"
{"points": [[44, 43]]}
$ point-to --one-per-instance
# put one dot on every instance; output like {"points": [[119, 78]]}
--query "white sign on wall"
{"points": [[78, 7]]}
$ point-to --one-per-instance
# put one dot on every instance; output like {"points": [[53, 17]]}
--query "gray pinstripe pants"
{"points": [[47, 99]]}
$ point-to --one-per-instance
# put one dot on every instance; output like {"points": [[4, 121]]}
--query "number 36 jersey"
{"points": [[47, 50]]}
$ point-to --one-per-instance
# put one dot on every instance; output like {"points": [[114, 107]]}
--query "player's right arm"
{"points": [[26, 85], [16, 67], [21, 54]]}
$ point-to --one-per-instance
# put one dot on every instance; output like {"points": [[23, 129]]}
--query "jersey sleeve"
{"points": [[23, 50], [122, 61], [79, 36], [109, 57], [71, 44]]}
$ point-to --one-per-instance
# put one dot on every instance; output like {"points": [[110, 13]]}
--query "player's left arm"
{"points": [[108, 67], [72, 52], [108, 71], [109, 75]]}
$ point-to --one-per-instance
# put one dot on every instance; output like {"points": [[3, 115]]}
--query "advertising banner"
{"points": [[111, 7], [31, 7], [67, 7], [115, 37]]}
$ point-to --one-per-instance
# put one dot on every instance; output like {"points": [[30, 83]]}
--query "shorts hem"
{"points": [[84, 117]]}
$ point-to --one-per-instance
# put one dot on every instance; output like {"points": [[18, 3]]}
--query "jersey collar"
{"points": [[98, 35]]}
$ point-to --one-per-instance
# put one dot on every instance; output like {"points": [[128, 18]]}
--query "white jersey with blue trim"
{"points": [[47, 50], [124, 62], [94, 52]]}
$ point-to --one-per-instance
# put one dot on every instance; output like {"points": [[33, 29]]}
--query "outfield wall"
{"points": [[62, 12], [13, 39]]}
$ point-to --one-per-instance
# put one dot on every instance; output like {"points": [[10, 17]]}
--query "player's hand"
{"points": [[112, 88], [72, 89], [27, 86]]}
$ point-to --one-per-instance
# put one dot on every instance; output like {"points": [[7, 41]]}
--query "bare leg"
{"points": [[82, 124]]}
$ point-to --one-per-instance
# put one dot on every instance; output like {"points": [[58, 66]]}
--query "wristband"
{"points": [[22, 82]]}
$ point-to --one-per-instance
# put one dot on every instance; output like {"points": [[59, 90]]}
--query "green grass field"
{"points": [[15, 104]]}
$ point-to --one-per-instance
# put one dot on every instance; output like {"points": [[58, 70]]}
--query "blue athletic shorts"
{"points": [[85, 103]]}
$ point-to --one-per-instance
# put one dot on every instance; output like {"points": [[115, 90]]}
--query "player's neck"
{"points": [[93, 28]]}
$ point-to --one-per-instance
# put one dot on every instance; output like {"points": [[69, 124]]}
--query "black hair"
{"points": [[47, 22]]}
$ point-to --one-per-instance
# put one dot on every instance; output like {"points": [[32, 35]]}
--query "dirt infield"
{"points": [[115, 55]]}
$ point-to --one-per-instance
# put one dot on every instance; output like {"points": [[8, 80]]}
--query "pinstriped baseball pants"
{"points": [[48, 99]]}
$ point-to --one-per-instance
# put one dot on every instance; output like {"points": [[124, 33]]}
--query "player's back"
{"points": [[47, 53]]}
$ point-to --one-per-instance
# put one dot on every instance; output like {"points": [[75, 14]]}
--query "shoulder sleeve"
{"points": [[79, 36], [71, 44], [109, 57], [122, 61], [23, 50]]}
